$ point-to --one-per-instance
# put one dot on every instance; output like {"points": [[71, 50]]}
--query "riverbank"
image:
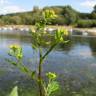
{"points": [[23, 28], [52, 26]]}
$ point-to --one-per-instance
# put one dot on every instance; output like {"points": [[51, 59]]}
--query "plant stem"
{"points": [[40, 73], [50, 49]]}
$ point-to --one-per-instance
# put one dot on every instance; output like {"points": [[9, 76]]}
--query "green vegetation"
{"points": [[94, 9], [86, 23], [66, 15], [14, 92], [39, 40]]}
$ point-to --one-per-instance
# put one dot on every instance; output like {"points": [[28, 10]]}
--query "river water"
{"points": [[75, 64]]}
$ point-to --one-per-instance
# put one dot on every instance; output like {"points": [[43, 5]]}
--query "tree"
{"points": [[36, 9], [15, 20], [1, 22], [93, 15], [70, 15], [94, 9]]}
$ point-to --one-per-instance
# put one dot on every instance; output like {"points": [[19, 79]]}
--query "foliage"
{"points": [[70, 15], [14, 91], [39, 39], [52, 85], [66, 15], [94, 9], [86, 23], [93, 15]]}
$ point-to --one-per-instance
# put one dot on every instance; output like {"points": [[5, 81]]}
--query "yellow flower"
{"points": [[66, 32], [19, 56], [51, 75], [14, 46], [49, 14]]}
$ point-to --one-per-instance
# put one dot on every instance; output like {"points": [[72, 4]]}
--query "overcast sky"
{"points": [[10, 6]]}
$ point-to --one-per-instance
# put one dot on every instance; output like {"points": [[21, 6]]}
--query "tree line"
{"points": [[66, 15]]}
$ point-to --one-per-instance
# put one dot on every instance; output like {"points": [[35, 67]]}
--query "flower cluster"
{"points": [[51, 75], [16, 50], [60, 33], [14, 47], [49, 14]]}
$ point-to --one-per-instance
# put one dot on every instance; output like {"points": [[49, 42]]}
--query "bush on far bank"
{"points": [[86, 23]]}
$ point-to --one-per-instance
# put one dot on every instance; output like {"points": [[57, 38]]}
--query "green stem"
{"points": [[40, 68], [50, 49], [40, 73]]}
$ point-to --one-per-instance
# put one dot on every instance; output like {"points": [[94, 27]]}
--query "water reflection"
{"points": [[92, 44]]}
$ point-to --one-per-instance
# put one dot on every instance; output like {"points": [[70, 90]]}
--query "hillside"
{"points": [[66, 16]]}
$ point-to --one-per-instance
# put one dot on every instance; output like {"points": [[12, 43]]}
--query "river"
{"points": [[75, 64]]}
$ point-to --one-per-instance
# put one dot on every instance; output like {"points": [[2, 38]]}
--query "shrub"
{"points": [[86, 23]]}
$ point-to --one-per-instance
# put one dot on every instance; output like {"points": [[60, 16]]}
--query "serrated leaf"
{"points": [[14, 91]]}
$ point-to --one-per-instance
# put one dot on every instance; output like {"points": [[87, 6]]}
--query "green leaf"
{"points": [[11, 62], [14, 91], [33, 74], [67, 41], [24, 69], [34, 46], [52, 87]]}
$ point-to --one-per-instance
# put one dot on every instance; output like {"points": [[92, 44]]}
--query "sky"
{"points": [[13, 6]]}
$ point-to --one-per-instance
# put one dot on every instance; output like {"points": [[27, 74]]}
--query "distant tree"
{"points": [[35, 9], [94, 9], [27, 19], [66, 15], [84, 16], [23, 18], [15, 20], [70, 14], [86, 23], [6, 19], [1, 22], [93, 15], [60, 20]]}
